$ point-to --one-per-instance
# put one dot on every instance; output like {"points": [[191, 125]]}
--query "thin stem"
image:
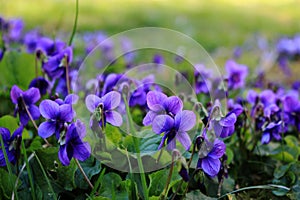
{"points": [[83, 173], [189, 164], [94, 192], [21, 171], [159, 156], [137, 149], [282, 136], [192, 155], [8, 165], [75, 23], [31, 119], [220, 186], [45, 176], [28, 171], [103, 128], [164, 193], [67, 76]]}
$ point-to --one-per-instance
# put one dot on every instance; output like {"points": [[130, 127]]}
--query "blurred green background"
{"points": [[213, 23]]}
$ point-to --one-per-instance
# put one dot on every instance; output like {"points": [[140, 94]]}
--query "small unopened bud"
{"points": [[125, 88], [39, 54], [176, 154], [199, 141], [182, 96]]}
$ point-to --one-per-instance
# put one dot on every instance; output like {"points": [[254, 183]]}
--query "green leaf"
{"points": [[115, 157], [280, 192], [112, 187], [113, 134], [11, 123], [91, 167], [291, 178], [285, 156], [17, 68], [158, 181], [61, 176], [5, 187], [291, 141], [35, 144], [131, 188], [295, 194], [196, 194], [229, 154], [154, 198], [101, 198], [149, 141], [281, 170]]}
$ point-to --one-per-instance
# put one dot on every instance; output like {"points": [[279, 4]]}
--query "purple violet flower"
{"points": [[183, 172], [71, 144], [158, 59], [40, 83], [11, 144], [236, 74], [291, 107], [209, 156], [12, 29], [224, 126], [49, 47], [55, 65], [175, 128], [272, 130], [267, 98], [139, 96], [202, 82], [110, 82], [159, 104], [286, 46], [56, 115], [27, 98], [104, 107], [70, 99], [30, 40]]}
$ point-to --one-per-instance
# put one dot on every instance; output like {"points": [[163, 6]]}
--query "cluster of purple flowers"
{"points": [[166, 116], [49, 101], [55, 58], [288, 49]]}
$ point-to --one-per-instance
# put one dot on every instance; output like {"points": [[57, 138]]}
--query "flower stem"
{"points": [[75, 24], [21, 171], [67, 76], [189, 164], [28, 170], [164, 193], [103, 129], [137, 149], [83, 173], [31, 119]]}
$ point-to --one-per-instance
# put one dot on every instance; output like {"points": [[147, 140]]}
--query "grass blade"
{"points": [[45, 175], [28, 170], [75, 24]]}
